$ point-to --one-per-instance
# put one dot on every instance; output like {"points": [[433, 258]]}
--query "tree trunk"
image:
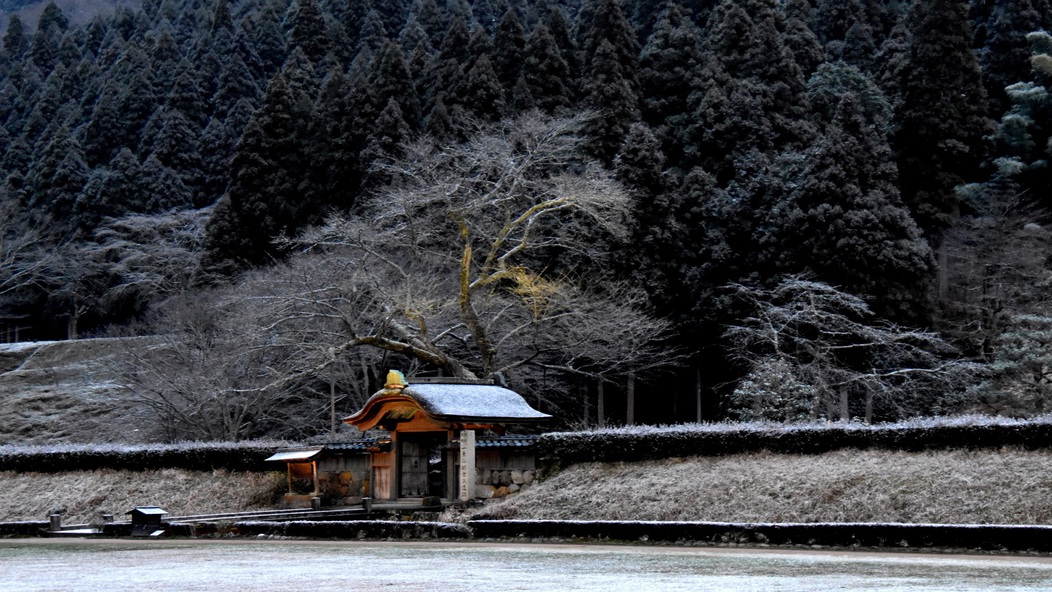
{"points": [[467, 309], [869, 406], [630, 402], [845, 412], [587, 407], [71, 326], [332, 406], [600, 406], [943, 272], [820, 400], [697, 391]]}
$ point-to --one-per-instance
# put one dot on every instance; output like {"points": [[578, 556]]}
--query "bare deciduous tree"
{"points": [[997, 301], [995, 265], [24, 256], [151, 257], [21, 261], [814, 351], [478, 259], [995, 298], [213, 375], [134, 262]]}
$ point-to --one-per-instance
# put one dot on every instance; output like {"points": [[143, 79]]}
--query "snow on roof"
{"points": [[294, 455], [302, 454], [147, 510], [474, 401]]}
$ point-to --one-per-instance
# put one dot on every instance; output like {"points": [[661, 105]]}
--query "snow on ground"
{"points": [[22, 346], [264, 566]]}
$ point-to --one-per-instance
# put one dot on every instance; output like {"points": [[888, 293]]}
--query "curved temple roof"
{"points": [[455, 403]]}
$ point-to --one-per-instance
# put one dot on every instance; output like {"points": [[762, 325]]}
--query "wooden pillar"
{"points": [[314, 474], [467, 465]]}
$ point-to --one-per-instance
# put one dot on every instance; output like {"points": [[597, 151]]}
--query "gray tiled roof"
{"points": [[473, 401]]}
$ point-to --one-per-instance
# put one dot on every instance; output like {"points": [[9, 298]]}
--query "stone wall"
{"points": [[502, 472], [500, 483]]}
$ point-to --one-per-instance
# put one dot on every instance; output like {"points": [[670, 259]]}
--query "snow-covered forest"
{"points": [[629, 210]]}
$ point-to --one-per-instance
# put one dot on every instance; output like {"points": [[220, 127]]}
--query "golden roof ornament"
{"points": [[395, 381]]}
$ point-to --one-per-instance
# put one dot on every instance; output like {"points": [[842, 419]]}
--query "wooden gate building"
{"points": [[434, 427]]}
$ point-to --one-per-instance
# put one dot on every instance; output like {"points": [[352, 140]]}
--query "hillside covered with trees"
{"points": [[725, 208]]}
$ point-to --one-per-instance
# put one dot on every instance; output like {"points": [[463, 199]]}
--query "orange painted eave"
{"points": [[375, 408]]}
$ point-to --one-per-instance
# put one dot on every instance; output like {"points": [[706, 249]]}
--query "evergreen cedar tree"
{"points": [[759, 138]]}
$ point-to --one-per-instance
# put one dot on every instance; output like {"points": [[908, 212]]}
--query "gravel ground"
{"points": [[258, 566]]}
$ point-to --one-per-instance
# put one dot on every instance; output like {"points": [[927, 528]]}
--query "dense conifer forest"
{"points": [[648, 210]]}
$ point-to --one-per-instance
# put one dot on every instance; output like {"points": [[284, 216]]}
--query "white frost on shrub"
{"points": [[115, 448], [777, 428]]}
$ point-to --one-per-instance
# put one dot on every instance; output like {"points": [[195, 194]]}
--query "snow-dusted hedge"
{"points": [[638, 443], [947, 536], [194, 456]]}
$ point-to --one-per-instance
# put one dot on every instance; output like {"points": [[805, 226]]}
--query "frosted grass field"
{"points": [[253, 566]]}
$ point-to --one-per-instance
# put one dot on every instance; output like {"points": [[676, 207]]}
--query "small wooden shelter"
{"points": [[337, 472], [146, 520], [432, 426]]}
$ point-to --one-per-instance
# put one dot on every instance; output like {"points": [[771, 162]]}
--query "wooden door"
{"points": [[383, 476], [414, 467]]}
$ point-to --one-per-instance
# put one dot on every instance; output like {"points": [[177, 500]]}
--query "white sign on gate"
{"points": [[467, 465]]}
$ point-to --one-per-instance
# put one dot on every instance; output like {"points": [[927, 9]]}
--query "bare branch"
{"points": [[813, 351]]}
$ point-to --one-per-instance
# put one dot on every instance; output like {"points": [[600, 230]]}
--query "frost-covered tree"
{"points": [[1021, 148], [545, 72], [308, 32], [24, 257], [995, 300], [941, 120], [476, 259], [811, 350], [267, 196], [208, 379], [1021, 373], [843, 220], [150, 257], [1005, 49], [773, 391], [667, 67]]}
